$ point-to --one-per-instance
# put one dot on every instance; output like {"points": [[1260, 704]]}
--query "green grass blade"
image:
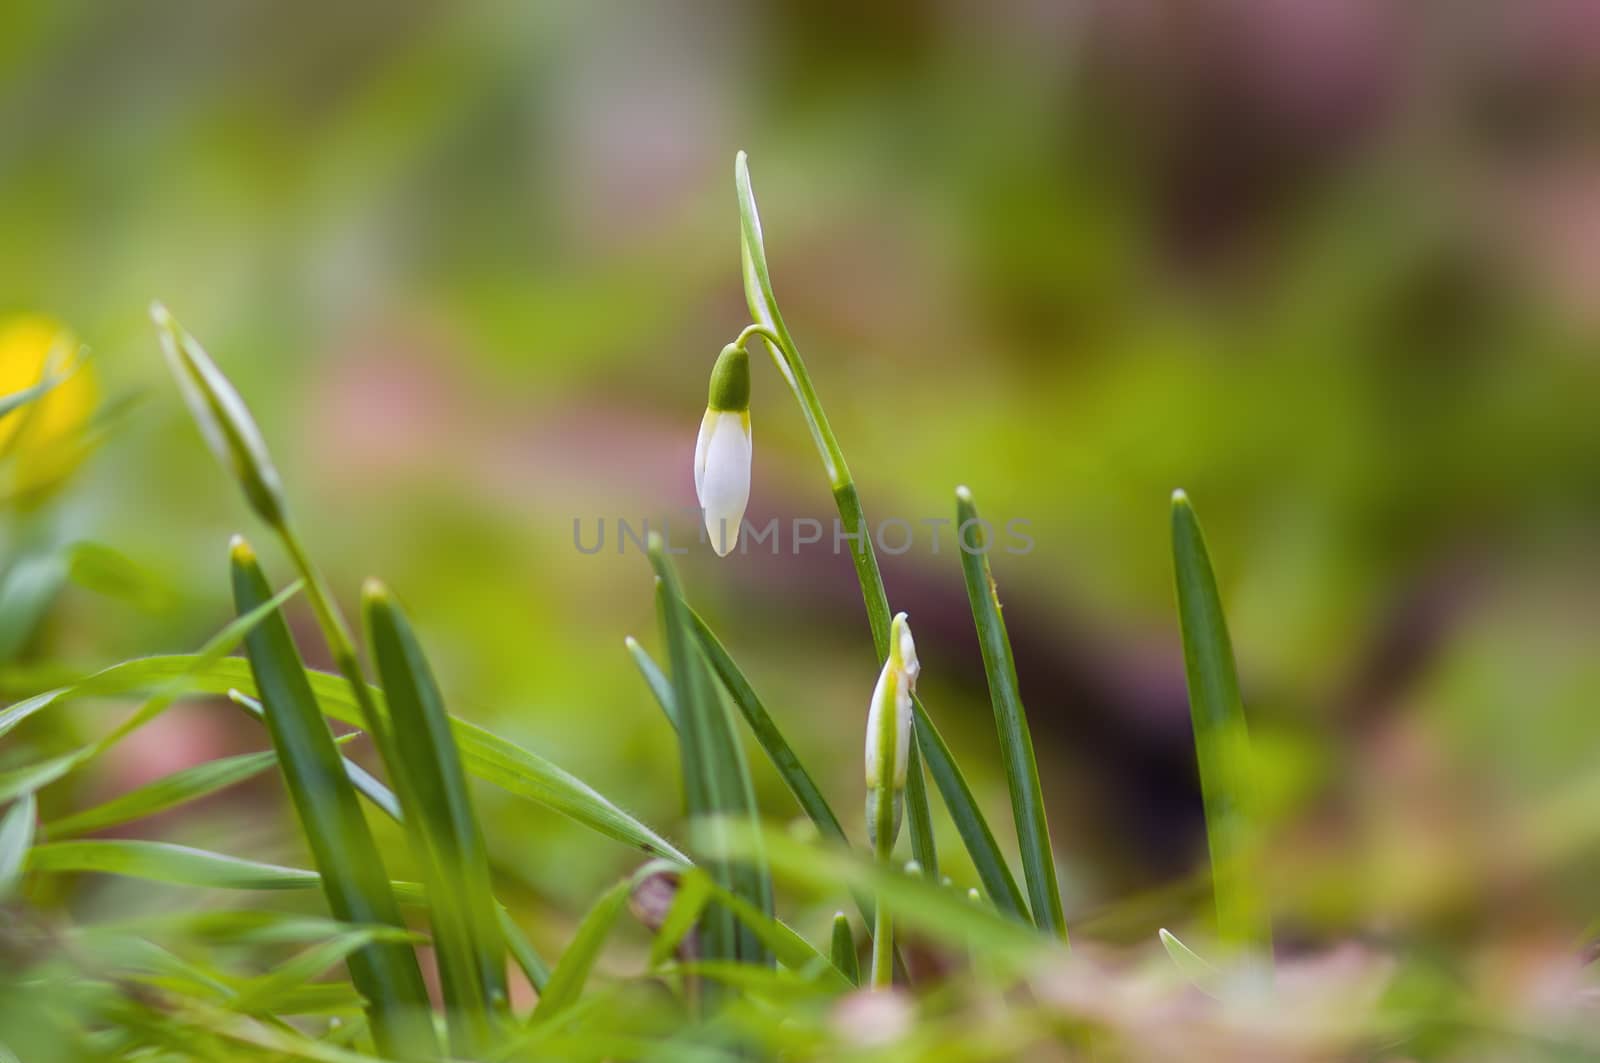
{"points": [[715, 779], [443, 827], [353, 876], [1010, 719], [923, 850], [1199, 973], [772, 742], [970, 822], [164, 793], [18, 399], [790, 948], [941, 914], [383, 799], [766, 731], [572, 972], [16, 838], [126, 678], [654, 678], [177, 865], [269, 992], [1222, 743], [843, 949], [526, 957], [18, 782], [486, 755]]}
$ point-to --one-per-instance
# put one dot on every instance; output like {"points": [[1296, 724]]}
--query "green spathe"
{"points": [[223, 417], [730, 380]]}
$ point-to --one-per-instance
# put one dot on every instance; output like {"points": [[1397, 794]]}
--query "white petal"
{"points": [[706, 424], [875, 713], [725, 482], [902, 731]]}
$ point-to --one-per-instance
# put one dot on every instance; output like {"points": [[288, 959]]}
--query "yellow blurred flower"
{"points": [[42, 442]]}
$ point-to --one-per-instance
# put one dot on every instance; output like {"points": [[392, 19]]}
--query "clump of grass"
{"points": [[722, 963]]}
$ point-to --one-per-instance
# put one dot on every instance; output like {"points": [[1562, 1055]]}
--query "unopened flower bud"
{"points": [[889, 734], [722, 451], [891, 707]]}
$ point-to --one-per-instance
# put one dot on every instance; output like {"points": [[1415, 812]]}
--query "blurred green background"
{"points": [[1331, 265]]}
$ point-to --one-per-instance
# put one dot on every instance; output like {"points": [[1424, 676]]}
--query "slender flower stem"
{"points": [[336, 633], [882, 942]]}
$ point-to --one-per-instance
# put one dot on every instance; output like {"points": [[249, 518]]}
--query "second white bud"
{"points": [[889, 716]]}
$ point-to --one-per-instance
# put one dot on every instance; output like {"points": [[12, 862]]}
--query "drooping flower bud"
{"points": [[722, 451], [889, 723], [223, 417]]}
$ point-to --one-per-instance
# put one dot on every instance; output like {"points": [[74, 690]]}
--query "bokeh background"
{"points": [[1331, 265]]}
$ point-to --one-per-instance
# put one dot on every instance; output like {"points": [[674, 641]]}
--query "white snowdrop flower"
{"points": [[722, 451]]}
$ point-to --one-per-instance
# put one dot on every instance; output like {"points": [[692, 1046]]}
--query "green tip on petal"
{"points": [[730, 380]]}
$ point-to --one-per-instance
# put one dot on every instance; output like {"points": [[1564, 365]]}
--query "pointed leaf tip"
{"points": [[240, 551], [1180, 497], [964, 494]]}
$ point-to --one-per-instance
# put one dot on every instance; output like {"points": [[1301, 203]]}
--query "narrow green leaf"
{"points": [[920, 815], [1200, 974], [1222, 742], [715, 779], [353, 876], [130, 676], [789, 947], [268, 992], [940, 914], [772, 742], [28, 588], [31, 777], [16, 838], [164, 793], [774, 987], [969, 819], [844, 949], [527, 959], [1010, 719], [382, 798], [442, 826], [487, 756], [178, 865], [517, 944], [572, 972], [766, 731], [103, 570], [18, 399], [660, 686], [365, 783]]}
